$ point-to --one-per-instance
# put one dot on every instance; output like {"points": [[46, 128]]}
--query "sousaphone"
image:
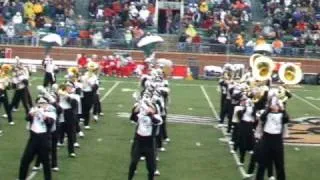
{"points": [[262, 68], [290, 73]]}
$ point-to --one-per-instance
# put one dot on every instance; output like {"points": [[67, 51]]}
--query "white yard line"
{"points": [[306, 101], [110, 90], [131, 82], [214, 112], [34, 173]]}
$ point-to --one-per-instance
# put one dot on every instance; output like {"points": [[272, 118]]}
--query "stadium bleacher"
{"points": [[219, 26]]}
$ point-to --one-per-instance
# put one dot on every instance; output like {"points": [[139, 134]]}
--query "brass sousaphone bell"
{"points": [[262, 68], [290, 73], [253, 59]]}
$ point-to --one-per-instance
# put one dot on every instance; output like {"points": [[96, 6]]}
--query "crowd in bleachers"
{"points": [[291, 26], [206, 26], [214, 22], [25, 20]]}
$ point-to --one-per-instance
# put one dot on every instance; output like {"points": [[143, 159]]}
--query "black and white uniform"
{"points": [[159, 103], [229, 106], [41, 119], [4, 83], [163, 94], [20, 82], [78, 95], [96, 102], [223, 100], [53, 98], [272, 148], [90, 86], [67, 119], [49, 76], [144, 140], [236, 95], [247, 118]]}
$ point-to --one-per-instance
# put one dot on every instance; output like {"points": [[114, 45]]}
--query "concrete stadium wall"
{"points": [[60, 53]]}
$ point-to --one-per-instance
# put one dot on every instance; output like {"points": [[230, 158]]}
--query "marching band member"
{"points": [[97, 110], [69, 105], [4, 84], [236, 95], [73, 78], [49, 76], [146, 116], [272, 151], [224, 101], [41, 119], [246, 127], [20, 83], [90, 86], [52, 98]]}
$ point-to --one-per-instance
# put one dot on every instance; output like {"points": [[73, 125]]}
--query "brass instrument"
{"points": [[73, 72], [290, 73], [92, 66], [263, 68], [253, 59]]}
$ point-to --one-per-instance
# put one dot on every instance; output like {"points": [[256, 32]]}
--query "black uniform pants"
{"points": [[48, 79], [54, 157], [38, 144], [21, 94], [87, 102], [96, 104], [246, 138], [4, 100], [29, 99], [223, 108], [163, 127], [143, 148], [272, 152], [254, 158], [230, 109], [68, 127]]}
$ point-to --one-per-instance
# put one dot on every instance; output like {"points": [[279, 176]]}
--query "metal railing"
{"points": [[207, 48]]}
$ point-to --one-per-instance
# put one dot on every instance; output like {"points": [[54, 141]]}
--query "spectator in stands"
{"points": [[10, 33], [128, 38], [98, 41], [144, 14], [17, 19], [92, 10], [28, 10], [277, 46], [196, 43], [260, 41], [239, 43], [73, 35], [222, 39], [203, 7], [38, 8], [137, 32], [191, 31], [99, 12], [182, 42]]}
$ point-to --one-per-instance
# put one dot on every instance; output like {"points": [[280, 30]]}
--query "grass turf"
{"points": [[104, 152]]}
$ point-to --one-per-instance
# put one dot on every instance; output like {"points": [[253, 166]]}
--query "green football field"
{"points": [[194, 153]]}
